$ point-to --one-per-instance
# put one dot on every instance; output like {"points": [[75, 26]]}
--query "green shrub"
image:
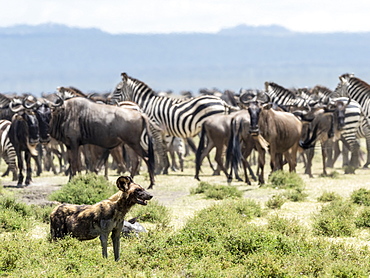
{"points": [[217, 192], [153, 213], [276, 201], [361, 197], [13, 214], [288, 227], [295, 195], [335, 219], [363, 218], [212, 223], [84, 189], [328, 197], [284, 180]]}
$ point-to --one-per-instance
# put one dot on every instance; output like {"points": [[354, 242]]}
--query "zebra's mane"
{"points": [[281, 89], [361, 83], [76, 91], [149, 90], [138, 82]]}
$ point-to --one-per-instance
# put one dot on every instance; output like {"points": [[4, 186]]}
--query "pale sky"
{"points": [[165, 16]]}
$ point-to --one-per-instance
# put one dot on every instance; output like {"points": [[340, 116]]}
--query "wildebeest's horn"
{"points": [[58, 102], [27, 104], [17, 108]]}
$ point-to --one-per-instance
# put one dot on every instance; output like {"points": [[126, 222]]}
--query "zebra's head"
{"points": [[121, 92], [342, 88]]}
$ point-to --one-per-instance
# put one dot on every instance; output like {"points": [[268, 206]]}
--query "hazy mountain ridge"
{"points": [[40, 58]]}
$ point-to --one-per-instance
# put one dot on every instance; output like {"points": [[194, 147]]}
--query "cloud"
{"points": [[144, 16]]}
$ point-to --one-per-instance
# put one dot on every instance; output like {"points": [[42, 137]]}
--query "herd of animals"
{"points": [[135, 124]]}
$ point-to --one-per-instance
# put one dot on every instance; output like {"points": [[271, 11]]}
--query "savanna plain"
{"points": [[294, 226]]}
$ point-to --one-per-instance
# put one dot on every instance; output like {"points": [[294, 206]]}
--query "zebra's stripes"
{"points": [[7, 150], [178, 117], [284, 97], [358, 90]]}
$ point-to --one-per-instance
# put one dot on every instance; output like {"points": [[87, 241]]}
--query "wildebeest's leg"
{"points": [[27, 158], [323, 153], [38, 159], [201, 154], [261, 164], [116, 234], [104, 244], [181, 160], [20, 169], [74, 159], [310, 154]]}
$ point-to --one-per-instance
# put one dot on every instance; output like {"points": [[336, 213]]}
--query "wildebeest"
{"points": [[282, 130], [327, 124], [216, 132], [86, 222], [80, 121], [24, 134]]}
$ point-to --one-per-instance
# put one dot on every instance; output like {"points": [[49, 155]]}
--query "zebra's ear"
{"points": [[124, 76]]}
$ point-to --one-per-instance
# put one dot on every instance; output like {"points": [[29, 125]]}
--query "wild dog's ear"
{"points": [[123, 183]]}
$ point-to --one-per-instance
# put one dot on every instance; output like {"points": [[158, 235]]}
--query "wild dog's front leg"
{"points": [[104, 244], [116, 234]]}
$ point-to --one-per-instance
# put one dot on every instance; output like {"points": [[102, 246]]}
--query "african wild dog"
{"points": [[86, 222]]}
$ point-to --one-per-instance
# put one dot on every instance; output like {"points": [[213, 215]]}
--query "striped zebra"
{"points": [[356, 126], [7, 150], [358, 90], [284, 97], [178, 117]]}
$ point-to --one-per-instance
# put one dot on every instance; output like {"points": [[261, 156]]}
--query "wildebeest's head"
{"points": [[339, 110], [135, 193], [43, 114], [26, 129]]}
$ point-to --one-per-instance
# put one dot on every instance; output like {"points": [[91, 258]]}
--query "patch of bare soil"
{"points": [[38, 191]]}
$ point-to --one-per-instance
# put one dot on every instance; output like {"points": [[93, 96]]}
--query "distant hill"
{"points": [[40, 58]]}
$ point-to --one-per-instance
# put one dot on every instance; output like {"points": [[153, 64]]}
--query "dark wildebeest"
{"points": [[86, 222], [282, 130], [327, 124], [24, 134], [80, 121], [241, 145]]}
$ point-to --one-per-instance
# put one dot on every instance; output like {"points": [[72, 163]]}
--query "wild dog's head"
{"points": [[135, 193]]}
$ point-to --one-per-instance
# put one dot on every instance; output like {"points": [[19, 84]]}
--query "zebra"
{"points": [[178, 117], [7, 150], [284, 97], [359, 90]]}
